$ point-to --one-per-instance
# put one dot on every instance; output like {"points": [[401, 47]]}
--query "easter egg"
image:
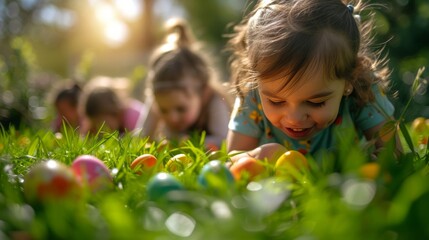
{"points": [[160, 185], [92, 173], [370, 170], [215, 175], [271, 152], [49, 181], [419, 125], [144, 163], [178, 163], [249, 166], [290, 160]]}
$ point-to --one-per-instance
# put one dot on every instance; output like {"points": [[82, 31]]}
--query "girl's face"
{"points": [[179, 108], [305, 110], [69, 112]]}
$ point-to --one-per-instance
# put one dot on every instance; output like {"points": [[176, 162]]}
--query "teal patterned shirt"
{"points": [[248, 119]]}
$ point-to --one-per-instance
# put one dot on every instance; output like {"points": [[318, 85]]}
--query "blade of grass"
{"points": [[407, 137], [101, 142], [414, 89]]}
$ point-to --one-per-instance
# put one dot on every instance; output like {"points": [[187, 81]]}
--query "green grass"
{"points": [[330, 200]]}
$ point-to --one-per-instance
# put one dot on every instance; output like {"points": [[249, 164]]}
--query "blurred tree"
{"points": [[15, 93], [72, 39], [147, 16], [212, 21], [404, 26]]}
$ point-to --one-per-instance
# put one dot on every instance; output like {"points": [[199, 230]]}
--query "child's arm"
{"points": [[219, 113], [150, 123], [239, 145], [240, 142], [373, 117]]}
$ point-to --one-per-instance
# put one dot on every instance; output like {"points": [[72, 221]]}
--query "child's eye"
{"points": [[316, 104], [181, 109], [273, 102]]}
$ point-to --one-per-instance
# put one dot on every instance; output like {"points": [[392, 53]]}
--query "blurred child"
{"points": [[187, 98], [303, 69], [105, 102], [66, 101]]}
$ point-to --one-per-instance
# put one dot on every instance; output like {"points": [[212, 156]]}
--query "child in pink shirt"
{"points": [[106, 104]]}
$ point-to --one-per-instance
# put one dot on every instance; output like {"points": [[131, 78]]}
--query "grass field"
{"points": [[332, 199], [340, 195]]}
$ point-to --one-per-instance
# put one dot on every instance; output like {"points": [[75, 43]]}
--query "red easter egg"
{"points": [[50, 181], [250, 166], [144, 163]]}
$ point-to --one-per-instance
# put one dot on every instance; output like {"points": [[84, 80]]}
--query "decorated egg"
{"points": [[49, 181], [215, 175], [145, 163], [92, 173], [289, 161], [370, 170], [161, 184], [419, 125], [178, 162], [247, 166]]}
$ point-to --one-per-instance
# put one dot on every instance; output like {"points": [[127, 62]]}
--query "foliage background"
{"points": [[45, 41]]}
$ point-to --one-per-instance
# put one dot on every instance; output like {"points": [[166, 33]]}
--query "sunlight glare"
{"points": [[105, 13], [116, 33], [114, 30], [129, 9]]}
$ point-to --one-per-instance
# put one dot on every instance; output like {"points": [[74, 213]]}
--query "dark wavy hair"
{"points": [[290, 38]]}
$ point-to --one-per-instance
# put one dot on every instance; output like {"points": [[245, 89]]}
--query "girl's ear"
{"points": [[348, 89]]}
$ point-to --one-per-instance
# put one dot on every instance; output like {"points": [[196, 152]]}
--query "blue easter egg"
{"points": [[161, 184], [215, 174]]}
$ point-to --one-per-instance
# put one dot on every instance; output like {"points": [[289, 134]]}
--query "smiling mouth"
{"points": [[298, 133]]}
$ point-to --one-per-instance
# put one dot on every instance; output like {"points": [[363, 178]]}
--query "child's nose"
{"points": [[173, 117], [294, 117]]}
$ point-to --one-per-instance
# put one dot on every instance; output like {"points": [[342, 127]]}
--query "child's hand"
{"points": [[269, 151], [235, 155]]}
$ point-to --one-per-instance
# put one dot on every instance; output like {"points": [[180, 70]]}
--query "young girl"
{"points": [[302, 69], [66, 101], [187, 98], [105, 102]]}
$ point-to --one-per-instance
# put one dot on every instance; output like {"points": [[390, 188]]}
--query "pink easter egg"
{"points": [[92, 173]]}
